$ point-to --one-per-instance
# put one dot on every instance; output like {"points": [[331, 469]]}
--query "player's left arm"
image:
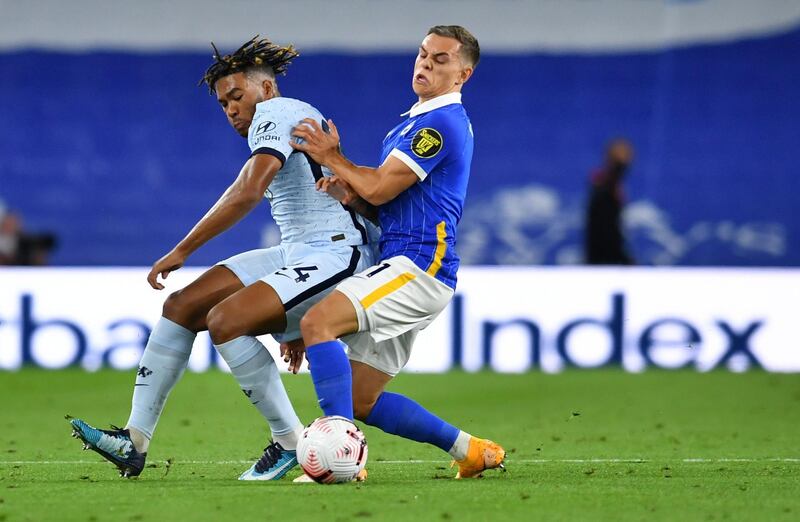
{"points": [[375, 185]]}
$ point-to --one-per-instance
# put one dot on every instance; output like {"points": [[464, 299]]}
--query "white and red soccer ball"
{"points": [[332, 449]]}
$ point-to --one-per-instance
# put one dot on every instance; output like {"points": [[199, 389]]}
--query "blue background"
{"points": [[119, 154]]}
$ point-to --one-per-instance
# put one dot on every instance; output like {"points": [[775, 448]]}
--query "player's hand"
{"points": [[293, 353], [170, 262], [317, 143], [338, 189]]}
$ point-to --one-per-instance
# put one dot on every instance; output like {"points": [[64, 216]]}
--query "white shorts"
{"points": [[389, 356], [301, 274], [395, 297]]}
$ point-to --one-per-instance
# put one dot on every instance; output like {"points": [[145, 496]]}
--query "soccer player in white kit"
{"points": [[256, 292]]}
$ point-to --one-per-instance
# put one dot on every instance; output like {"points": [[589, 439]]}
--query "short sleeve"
{"points": [[271, 129], [428, 142]]}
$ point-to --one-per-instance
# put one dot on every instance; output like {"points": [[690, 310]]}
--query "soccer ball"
{"points": [[332, 449]]}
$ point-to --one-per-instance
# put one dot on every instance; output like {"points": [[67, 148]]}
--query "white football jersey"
{"points": [[302, 214]]}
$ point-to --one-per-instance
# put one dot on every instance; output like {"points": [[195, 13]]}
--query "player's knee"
{"points": [[175, 308], [221, 326], [311, 325], [180, 309]]}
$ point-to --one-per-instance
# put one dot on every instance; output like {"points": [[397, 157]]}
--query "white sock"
{"points": [[460, 446], [140, 441], [258, 376], [163, 362], [289, 440]]}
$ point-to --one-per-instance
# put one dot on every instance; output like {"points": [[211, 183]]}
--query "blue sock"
{"points": [[333, 379], [401, 416]]}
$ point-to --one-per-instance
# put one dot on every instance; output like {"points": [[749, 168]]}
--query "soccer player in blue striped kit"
{"points": [[419, 192]]}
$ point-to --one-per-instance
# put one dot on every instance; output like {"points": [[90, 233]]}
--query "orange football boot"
{"points": [[482, 454]]}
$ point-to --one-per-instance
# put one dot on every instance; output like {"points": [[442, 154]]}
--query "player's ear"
{"points": [[465, 74], [268, 89]]}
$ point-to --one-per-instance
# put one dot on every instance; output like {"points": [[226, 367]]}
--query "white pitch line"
{"points": [[444, 462]]}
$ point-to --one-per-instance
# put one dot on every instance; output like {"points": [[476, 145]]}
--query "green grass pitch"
{"points": [[582, 445]]}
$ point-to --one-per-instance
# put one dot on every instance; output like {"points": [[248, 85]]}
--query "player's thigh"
{"points": [[332, 317], [253, 310], [309, 276], [189, 306], [395, 297]]}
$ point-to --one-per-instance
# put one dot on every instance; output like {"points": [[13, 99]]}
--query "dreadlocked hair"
{"points": [[254, 53]]}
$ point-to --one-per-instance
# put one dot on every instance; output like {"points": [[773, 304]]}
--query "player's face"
{"points": [[439, 68], [238, 95]]}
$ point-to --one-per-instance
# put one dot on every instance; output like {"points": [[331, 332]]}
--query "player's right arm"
{"points": [[238, 200]]}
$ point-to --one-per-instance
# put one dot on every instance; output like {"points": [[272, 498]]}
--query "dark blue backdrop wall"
{"points": [[120, 154]]}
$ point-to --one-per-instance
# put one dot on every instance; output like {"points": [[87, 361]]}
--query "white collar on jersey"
{"points": [[434, 103]]}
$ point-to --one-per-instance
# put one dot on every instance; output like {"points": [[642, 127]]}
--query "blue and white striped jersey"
{"points": [[302, 214], [436, 142]]}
